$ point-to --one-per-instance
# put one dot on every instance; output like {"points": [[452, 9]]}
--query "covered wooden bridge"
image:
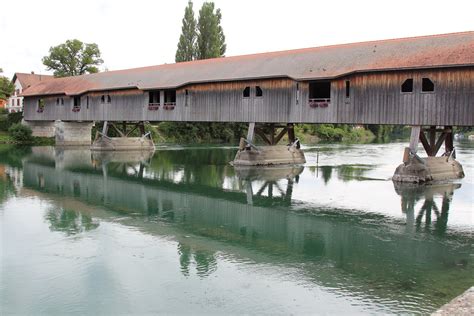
{"points": [[419, 81]]}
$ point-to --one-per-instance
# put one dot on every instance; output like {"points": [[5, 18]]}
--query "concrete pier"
{"points": [[73, 133], [415, 169], [123, 144], [269, 155], [41, 128]]}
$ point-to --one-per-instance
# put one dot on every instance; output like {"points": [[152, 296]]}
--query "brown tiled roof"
{"points": [[435, 51], [28, 80]]}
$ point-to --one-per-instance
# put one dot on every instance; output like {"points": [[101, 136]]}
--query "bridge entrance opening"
{"points": [[319, 93]]}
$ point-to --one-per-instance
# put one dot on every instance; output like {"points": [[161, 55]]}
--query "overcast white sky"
{"points": [[134, 33]]}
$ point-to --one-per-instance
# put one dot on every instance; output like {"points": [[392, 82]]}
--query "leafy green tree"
{"points": [[73, 58], [210, 37], [6, 88], [187, 41]]}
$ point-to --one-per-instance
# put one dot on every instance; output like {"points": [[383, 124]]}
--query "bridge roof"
{"points": [[326, 62]]}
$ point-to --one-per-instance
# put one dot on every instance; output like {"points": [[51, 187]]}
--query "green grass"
{"points": [[37, 141]]}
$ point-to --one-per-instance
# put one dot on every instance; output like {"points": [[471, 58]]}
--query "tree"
{"points": [[187, 41], [210, 37], [73, 58], [6, 88]]}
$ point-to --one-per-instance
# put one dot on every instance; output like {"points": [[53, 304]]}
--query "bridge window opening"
{"points": [[87, 102], [170, 99], [246, 93], [57, 101], [170, 96], [348, 88], [41, 105], [407, 86], [153, 100], [186, 93], [102, 99], [427, 85], [319, 93], [109, 99], [77, 104], [258, 92]]}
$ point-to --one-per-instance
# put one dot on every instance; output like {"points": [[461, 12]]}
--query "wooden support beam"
{"points": [[291, 133], [262, 135], [250, 132], [133, 129], [439, 142], [448, 144], [272, 134], [425, 143], [415, 136], [432, 139], [280, 135], [117, 130]]}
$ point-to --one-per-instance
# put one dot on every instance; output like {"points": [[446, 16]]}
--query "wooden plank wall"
{"points": [[375, 98]]}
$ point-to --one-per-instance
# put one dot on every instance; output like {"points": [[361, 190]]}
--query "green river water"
{"points": [[183, 232]]}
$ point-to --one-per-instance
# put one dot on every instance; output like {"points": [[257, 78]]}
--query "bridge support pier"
{"points": [[418, 170], [122, 136], [250, 154]]}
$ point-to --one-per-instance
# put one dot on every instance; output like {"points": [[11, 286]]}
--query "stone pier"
{"points": [[250, 154], [416, 169]]}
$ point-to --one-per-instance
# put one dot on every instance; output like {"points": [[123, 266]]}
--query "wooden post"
{"points": [[415, 136], [448, 143], [291, 133], [250, 132], [432, 138], [104, 128], [142, 128]]}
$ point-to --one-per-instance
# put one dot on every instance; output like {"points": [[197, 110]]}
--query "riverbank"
{"points": [[37, 141]]}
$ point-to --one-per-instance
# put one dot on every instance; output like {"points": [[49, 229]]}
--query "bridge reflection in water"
{"points": [[248, 213]]}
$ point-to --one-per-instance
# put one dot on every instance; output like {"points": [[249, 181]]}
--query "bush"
{"points": [[4, 124], [15, 117], [20, 133]]}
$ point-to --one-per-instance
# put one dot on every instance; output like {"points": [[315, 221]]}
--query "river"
{"points": [[183, 232]]}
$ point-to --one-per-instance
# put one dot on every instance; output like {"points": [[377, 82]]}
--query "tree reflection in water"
{"points": [[204, 260], [70, 222]]}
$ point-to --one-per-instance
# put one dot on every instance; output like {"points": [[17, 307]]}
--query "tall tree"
{"points": [[187, 41], [210, 37], [73, 58]]}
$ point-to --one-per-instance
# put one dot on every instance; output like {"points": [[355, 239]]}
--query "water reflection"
{"points": [[208, 207], [70, 222], [268, 181], [412, 194]]}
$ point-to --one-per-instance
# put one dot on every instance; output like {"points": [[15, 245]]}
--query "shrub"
{"points": [[4, 124], [20, 133]]}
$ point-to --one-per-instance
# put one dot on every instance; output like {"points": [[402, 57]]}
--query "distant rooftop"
{"points": [[28, 80], [326, 62]]}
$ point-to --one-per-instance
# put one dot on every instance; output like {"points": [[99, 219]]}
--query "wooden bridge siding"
{"points": [[374, 99], [377, 99]]}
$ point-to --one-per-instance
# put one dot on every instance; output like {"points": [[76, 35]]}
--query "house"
{"points": [[22, 81]]}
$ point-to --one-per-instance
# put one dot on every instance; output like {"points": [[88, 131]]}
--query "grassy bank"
{"points": [[36, 141]]}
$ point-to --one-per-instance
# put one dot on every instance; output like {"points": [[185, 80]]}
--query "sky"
{"points": [[145, 32]]}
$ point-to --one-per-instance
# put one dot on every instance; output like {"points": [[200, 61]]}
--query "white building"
{"points": [[21, 82]]}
